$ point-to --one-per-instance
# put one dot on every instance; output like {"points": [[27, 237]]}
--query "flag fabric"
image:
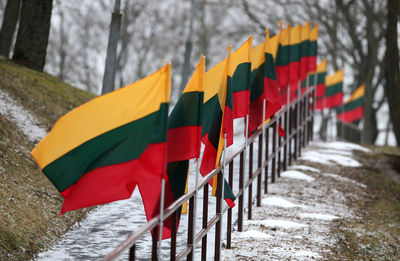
{"points": [[334, 89], [100, 151], [184, 122], [313, 49], [184, 132], [239, 79], [215, 89], [353, 108], [282, 62], [264, 83], [294, 59], [320, 84], [304, 50]]}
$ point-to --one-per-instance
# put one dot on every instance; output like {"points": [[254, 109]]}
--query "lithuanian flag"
{"points": [[215, 89], [282, 62], [334, 89], [264, 83], [100, 151], [353, 108], [184, 132], [320, 88], [184, 122], [304, 50], [294, 59], [239, 78], [313, 49]]}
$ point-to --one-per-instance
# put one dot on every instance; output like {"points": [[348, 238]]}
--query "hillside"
{"points": [[29, 203]]}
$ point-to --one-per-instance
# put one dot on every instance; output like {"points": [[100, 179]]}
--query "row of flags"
{"points": [[329, 94], [102, 150]]}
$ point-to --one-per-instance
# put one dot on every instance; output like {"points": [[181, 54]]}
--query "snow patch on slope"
{"points": [[17, 114]]}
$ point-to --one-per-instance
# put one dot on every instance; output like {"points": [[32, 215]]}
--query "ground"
{"points": [[332, 204]]}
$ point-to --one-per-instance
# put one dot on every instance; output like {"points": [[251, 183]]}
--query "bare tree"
{"points": [[391, 66], [33, 33], [10, 20]]}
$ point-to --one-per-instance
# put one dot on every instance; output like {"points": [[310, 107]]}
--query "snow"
{"points": [[306, 253], [17, 114], [326, 157], [305, 168], [278, 201], [341, 146], [318, 216], [294, 174], [253, 234], [276, 223]]}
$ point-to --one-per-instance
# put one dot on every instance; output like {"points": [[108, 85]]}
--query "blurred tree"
{"points": [[391, 66], [33, 33], [10, 20]]}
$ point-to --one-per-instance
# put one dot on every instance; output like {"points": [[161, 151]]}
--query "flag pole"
{"points": [[161, 217], [298, 118], [196, 182], [222, 194]]}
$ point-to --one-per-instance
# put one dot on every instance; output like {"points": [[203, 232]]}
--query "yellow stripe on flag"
{"points": [[241, 55], [184, 205], [257, 56], [305, 32], [195, 84], [321, 67], [357, 93], [295, 35], [334, 78], [103, 114], [314, 33]]}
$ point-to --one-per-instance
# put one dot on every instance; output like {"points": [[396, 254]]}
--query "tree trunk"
{"points": [[33, 33], [392, 69], [10, 20]]}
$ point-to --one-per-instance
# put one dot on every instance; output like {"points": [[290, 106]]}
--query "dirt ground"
{"points": [[350, 211]]}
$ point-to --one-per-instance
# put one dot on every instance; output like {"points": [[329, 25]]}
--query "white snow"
{"points": [[320, 156], [276, 223], [294, 174], [253, 234], [341, 146], [344, 179], [305, 168], [17, 114], [318, 216], [278, 201]]}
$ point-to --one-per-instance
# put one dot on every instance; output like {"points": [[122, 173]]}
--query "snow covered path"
{"points": [[294, 220]]}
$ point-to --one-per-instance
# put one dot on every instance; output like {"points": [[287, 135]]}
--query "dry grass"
{"points": [[30, 204]]}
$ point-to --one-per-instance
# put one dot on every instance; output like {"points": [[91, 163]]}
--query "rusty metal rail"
{"points": [[277, 152]]}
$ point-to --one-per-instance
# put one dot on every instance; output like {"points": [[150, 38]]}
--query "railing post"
{"points": [[280, 150], [132, 252], [274, 151], [241, 181], [289, 138], [154, 256], [259, 165], [250, 195], [266, 160], [174, 218], [190, 228], [204, 224], [229, 219], [286, 140], [218, 227]]}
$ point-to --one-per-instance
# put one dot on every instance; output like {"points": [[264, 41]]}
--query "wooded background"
{"points": [[360, 36]]}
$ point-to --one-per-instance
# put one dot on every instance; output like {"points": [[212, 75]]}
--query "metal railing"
{"points": [[272, 158]]}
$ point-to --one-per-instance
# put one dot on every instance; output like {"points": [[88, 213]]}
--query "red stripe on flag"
{"points": [[183, 143], [334, 100], [241, 102], [228, 125], [350, 116]]}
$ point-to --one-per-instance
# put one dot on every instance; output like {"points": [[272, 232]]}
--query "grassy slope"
{"points": [[29, 203], [375, 234]]}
